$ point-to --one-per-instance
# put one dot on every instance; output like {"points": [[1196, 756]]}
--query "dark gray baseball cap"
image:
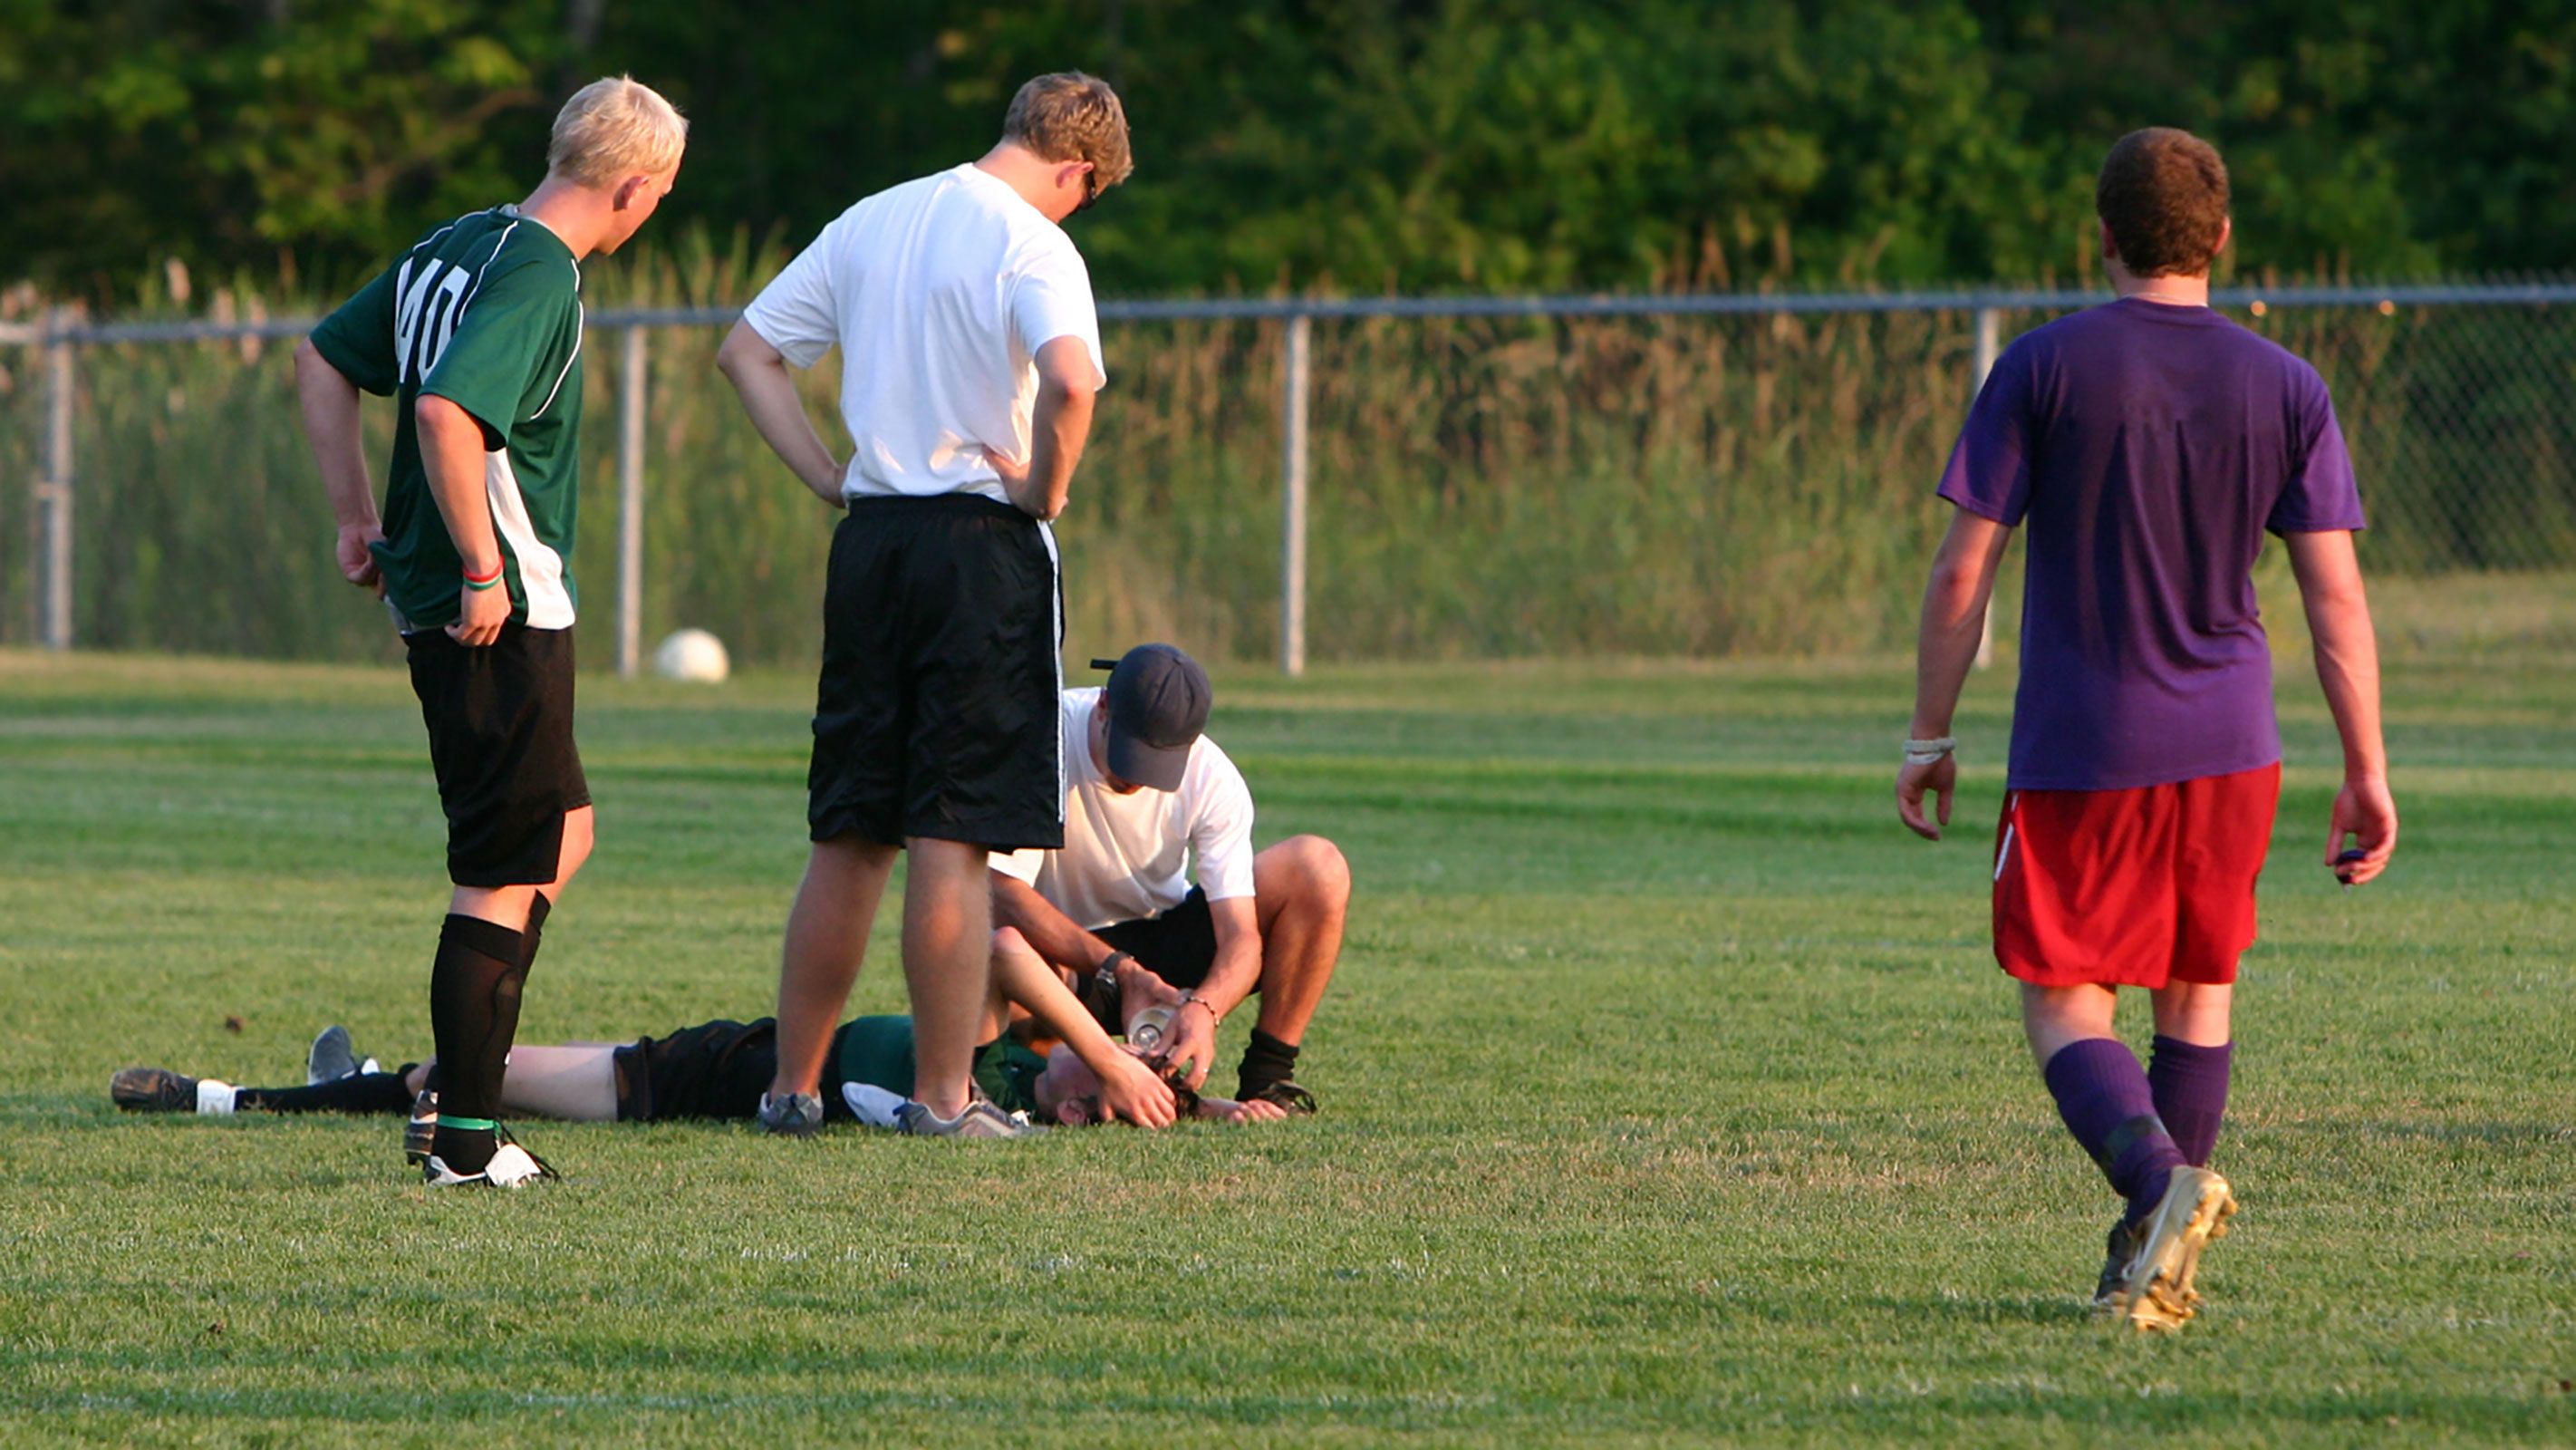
{"points": [[1158, 703]]}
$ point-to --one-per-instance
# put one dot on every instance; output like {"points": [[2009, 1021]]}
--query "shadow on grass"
{"points": [[2500, 1134], [2054, 1310]]}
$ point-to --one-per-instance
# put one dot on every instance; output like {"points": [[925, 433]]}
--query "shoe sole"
{"points": [[2158, 1296], [313, 1073]]}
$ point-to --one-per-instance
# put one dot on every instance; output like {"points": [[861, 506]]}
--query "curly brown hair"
{"points": [[1069, 116], [2163, 194]]}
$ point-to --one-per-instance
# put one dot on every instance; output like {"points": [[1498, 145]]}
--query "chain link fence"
{"points": [[1367, 479]]}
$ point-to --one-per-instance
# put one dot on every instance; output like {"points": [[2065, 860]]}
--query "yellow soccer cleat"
{"points": [[2155, 1290]]}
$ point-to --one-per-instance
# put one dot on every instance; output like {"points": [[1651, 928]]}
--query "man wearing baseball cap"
{"points": [[1151, 804]]}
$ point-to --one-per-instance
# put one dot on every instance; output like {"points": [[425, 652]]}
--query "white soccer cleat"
{"points": [[512, 1166]]}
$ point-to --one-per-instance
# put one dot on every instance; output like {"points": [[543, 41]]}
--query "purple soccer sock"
{"points": [[2102, 1094], [2190, 1084]]}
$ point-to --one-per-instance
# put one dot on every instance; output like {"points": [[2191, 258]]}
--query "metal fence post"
{"points": [[1292, 496], [1989, 343], [54, 494], [630, 500]]}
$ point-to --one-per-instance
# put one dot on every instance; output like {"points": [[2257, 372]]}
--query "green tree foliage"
{"points": [[234, 134], [1361, 144]]}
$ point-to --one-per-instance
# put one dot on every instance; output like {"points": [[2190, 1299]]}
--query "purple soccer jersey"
{"points": [[2149, 447]]}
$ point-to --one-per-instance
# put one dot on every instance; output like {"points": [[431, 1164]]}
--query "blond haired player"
{"points": [[970, 353], [475, 331]]}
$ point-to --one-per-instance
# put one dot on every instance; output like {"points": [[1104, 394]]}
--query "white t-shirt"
{"points": [[939, 292], [1130, 856]]}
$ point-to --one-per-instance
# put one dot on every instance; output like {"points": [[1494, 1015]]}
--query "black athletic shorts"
{"points": [[1178, 946], [500, 739], [937, 715], [715, 1070]]}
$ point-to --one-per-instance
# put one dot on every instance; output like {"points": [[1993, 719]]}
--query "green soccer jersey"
{"points": [[486, 313], [878, 1051]]}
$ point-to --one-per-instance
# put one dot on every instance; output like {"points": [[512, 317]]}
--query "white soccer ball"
{"points": [[693, 655]]}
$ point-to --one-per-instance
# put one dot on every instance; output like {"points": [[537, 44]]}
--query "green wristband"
{"points": [[479, 585]]}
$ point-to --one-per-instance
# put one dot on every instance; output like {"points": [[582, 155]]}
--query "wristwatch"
{"points": [[1106, 974], [1100, 992]]}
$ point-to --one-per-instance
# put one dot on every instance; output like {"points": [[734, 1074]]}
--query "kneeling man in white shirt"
{"points": [[1150, 803]]}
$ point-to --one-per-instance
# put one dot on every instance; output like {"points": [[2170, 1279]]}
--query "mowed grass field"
{"points": [[1670, 1095]]}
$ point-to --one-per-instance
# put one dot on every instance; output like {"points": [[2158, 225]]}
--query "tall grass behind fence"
{"points": [[2462, 424], [1695, 484], [22, 452]]}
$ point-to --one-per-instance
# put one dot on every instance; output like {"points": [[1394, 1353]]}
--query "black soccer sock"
{"points": [[361, 1092], [474, 1012], [1266, 1060], [530, 938], [533, 934]]}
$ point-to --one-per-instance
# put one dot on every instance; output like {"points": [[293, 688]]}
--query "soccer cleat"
{"points": [[512, 1166], [422, 1128], [2155, 1289], [159, 1090], [797, 1115], [331, 1058], [981, 1119], [1286, 1094], [2123, 1246]]}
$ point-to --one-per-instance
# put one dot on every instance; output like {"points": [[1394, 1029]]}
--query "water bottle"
{"points": [[1147, 1029]]}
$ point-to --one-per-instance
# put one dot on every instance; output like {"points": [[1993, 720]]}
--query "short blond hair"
{"points": [[614, 128], [1069, 116]]}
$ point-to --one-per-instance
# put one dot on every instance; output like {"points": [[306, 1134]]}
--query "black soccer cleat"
{"points": [[2122, 1247], [422, 1128], [153, 1090]]}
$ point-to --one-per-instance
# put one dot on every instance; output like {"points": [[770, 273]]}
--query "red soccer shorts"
{"points": [[2132, 888]]}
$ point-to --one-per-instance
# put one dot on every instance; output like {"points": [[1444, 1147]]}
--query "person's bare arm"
{"points": [[1016, 904], [2347, 652], [1954, 621], [1067, 384], [760, 375], [451, 453], [1055, 938], [329, 403], [1231, 978], [1128, 1088]]}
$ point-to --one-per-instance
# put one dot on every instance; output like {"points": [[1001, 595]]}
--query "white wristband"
{"points": [[1924, 752]]}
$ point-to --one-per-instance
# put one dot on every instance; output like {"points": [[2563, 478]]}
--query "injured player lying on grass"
{"points": [[1041, 1054]]}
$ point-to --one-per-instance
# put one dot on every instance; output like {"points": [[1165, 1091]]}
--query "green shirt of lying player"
{"points": [[717, 1070]]}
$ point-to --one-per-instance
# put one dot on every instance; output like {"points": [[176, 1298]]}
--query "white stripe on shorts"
{"points": [[2003, 852], [1055, 601]]}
